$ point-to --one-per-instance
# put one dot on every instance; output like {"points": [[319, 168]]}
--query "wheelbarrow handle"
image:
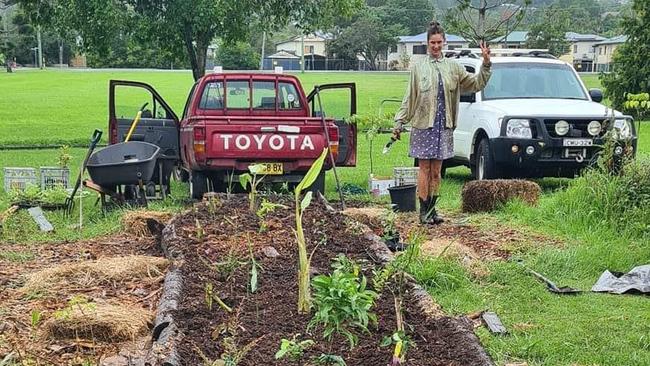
{"points": [[97, 135]]}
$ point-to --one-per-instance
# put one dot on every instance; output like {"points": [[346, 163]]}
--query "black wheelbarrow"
{"points": [[128, 164]]}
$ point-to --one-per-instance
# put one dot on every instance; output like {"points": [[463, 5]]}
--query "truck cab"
{"points": [[534, 118], [233, 120]]}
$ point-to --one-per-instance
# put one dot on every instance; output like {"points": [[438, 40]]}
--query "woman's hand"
{"points": [[397, 131], [485, 51]]}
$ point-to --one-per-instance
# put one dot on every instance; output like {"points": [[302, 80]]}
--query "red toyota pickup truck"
{"points": [[231, 121]]}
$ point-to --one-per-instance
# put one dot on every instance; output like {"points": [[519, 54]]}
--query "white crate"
{"points": [[405, 175], [378, 186], [52, 177], [19, 178]]}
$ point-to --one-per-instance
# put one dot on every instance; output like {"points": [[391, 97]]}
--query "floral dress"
{"points": [[436, 142]]}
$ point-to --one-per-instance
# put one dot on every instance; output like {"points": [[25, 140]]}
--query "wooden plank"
{"points": [[493, 323], [39, 217]]}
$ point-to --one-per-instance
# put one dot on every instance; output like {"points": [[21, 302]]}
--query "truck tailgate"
{"points": [[275, 141]]}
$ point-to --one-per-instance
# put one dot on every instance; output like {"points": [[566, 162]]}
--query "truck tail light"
{"points": [[199, 141], [333, 133]]}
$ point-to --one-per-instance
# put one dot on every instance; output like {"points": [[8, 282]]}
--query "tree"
{"points": [[182, 26], [549, 32], [237, 56], [366, 37], [631, 61], [411, 15], [487, 19]]}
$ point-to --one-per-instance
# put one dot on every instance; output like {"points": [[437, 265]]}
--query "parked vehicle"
{"points": [[534, 118], [231, 121]]}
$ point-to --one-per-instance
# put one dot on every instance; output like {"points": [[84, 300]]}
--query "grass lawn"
{"points": [[545, 329]]}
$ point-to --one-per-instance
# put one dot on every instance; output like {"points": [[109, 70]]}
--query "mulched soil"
{"points": [[16, 333], [270, 314]]}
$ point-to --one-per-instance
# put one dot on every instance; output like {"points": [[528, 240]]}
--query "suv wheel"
{"points": [[485, 168], [198, 184]]}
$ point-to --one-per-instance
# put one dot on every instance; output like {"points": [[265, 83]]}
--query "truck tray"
{"points": [[123, 163]]}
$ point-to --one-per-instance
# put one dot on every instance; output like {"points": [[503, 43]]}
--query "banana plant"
{"points": [[304, 296]]}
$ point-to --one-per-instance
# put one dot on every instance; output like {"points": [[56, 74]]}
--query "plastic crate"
{"points": [[19, 178], [52, 177], [378, 186], [405, 175]]}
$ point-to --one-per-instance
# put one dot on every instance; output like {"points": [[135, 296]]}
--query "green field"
{"points": [[545, 329]]}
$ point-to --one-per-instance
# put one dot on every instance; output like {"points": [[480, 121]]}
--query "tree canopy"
{"points": [[549, 31], [182, 27], [631, 63]]}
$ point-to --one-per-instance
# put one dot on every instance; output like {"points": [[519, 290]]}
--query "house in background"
{"points": [[516, 39], [604, 51], [582, 50], [288, 53], [415, 47]]}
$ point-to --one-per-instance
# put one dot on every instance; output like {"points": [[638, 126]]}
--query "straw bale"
{"points": [[141, 222], [486, 195], [99, 322], [97, 272]]}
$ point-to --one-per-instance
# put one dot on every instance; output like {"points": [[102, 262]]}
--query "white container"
{"points": [[19, 178], [405, 175], [378, 185]]}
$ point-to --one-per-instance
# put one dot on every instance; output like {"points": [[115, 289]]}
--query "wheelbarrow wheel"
{"points": [[198, 184]]}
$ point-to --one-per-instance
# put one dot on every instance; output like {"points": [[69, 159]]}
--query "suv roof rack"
{"points": [[500, 52]]}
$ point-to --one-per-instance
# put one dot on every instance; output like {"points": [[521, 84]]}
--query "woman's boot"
{"points": [[434, 218], [425, 217]]}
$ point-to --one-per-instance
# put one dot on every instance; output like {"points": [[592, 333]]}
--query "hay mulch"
{"points": [[453, 249], [487, 195], [143, 223], [86, 274], [98, 322]]}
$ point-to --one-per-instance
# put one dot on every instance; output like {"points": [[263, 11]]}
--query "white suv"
{"points": [[534, 118]]}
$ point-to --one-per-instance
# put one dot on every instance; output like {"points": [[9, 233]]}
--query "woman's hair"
{"points": [[435, 28]]}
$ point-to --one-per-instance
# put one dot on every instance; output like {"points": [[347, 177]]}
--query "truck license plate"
{"points": [[271, 168], [577, 142]]}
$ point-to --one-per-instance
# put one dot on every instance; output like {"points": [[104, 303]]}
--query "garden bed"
{"points": [[212, 246]]}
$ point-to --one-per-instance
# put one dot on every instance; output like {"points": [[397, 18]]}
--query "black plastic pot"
{"points": [[403, 198]]}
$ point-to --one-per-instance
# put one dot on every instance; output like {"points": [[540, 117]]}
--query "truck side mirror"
{"points": [[596, 95], [468, 98]]}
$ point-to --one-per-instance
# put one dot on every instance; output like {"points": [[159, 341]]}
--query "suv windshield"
{"points": [[533, 80]]}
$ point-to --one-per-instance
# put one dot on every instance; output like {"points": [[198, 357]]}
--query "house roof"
{"points": [[577, 37], [613, 40], [513, 37], [284, 54], [318, 34], [422, 38]]}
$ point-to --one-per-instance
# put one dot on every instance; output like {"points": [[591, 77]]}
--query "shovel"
{"points": [[69, 202]]}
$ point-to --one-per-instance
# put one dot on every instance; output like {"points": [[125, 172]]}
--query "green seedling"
{"points": [[64, 156], [199, 230], [293, 349], [328, 359], [251, 179], [304, 297]]}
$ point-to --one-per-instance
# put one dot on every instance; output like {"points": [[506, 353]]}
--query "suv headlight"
{"points": [[594, 128], [519, 128], [623, 128], [561, 127]]}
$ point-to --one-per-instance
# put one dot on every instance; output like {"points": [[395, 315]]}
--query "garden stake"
{"points": [[327, 135]]}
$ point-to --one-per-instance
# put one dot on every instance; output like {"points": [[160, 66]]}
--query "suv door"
{"points": [[466, 125], [339, 101]]}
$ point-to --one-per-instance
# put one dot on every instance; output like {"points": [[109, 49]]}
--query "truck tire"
{"points": [[198, 184], [484, 165]]}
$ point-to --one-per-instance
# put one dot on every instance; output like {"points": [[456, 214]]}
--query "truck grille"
{"points": [[578, 127]]}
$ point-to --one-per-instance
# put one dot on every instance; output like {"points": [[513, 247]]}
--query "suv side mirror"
{"points": [[468, 98], [595, 94]]}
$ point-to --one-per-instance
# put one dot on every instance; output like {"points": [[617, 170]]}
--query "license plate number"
{"points": [[271, 168], [577, 142]]}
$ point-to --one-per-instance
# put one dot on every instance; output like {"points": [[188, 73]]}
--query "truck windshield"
{"points": [[533, 80]]}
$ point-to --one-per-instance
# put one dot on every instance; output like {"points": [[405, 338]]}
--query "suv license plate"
{"points": [[577, 142], [271, 168]]}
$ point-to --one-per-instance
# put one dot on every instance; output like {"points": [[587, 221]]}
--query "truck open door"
{"points": [[158, 124], [339, 101]]}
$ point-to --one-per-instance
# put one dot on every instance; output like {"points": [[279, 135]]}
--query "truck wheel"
{"points": [[485, 168], [198, 184]]}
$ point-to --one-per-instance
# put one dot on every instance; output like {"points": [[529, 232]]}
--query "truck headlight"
{"points": [[562, 127], [623, 128], [594, 128], [519, 128]]}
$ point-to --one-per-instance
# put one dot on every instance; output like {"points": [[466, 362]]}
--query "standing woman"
{"points": [[431, 106]]}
